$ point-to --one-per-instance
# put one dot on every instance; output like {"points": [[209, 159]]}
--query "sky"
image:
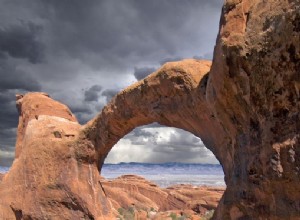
{"points": [[84, 52]]}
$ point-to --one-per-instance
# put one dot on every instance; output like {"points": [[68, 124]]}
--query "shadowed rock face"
{"points": [[245, 108], [253, 90]]}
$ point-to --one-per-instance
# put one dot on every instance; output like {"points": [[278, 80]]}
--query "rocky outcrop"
{"points": [[134, 192], [127, 190], [253, 90], [58, 160], [168, 96], [245, 108], [46, 181]]}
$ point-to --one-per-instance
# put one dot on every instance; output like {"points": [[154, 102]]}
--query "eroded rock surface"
{"points": [[46, 181], [56, 168], [168, 96], [134, 192], [253, 90], [245, 108]]}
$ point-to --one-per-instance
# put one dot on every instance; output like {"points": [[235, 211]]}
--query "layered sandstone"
{"points": [[130, 192], [130, 189], [46, 180], [245, 108]]}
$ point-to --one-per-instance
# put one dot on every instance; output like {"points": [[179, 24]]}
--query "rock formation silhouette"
{"points": [[245, 108]]}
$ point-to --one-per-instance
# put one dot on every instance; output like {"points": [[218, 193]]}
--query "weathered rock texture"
{"points": [[47, 179], [168, 96], [245, 108], [134, 191], [253, 90]]}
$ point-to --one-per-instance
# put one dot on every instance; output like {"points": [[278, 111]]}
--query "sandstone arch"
{"points": [[249, 105], [168, 96]]}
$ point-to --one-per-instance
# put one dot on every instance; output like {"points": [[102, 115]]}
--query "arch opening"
{"points": [[168, 159]]}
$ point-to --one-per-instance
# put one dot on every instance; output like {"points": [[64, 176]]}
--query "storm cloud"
{"points": [[160, 144], [21, 41], [109, 94], [83, 52], [92, 94], [141, 73]]}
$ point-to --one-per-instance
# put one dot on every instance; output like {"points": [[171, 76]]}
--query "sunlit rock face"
{"points": [[131, 189], [46, 181], [58, 161], [245, 108]]}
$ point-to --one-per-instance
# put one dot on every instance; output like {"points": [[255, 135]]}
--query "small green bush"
{"points": [[126, 214], [173, 216], [208, 215], [121, 211]]}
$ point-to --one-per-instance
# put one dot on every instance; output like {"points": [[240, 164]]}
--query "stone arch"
{"points": [[169, 97], [246, 112]]}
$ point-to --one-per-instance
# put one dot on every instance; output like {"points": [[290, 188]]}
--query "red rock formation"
{"points": [[49, 179], [168, 96], [130, 191], [57, 160], [246, 110], [37, 105], [253, 90]]}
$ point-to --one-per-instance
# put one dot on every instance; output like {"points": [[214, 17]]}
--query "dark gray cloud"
{"points": [[142, 72], [8, 111], [92, 94], [21, 41], [13, 78], [111, 34], [206, 56], [18, 44], [158, 145], [132, 28], [8, 124], [64, 48], [82, 112], [109, 94], [170, 59], [82, 109]]}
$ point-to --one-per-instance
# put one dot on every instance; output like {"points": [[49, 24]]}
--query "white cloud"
{"points": [[124, 151], [160, 145]]}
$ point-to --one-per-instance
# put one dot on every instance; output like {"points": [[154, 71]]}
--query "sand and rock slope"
{"points": [[144, 198], [244, 106]]}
